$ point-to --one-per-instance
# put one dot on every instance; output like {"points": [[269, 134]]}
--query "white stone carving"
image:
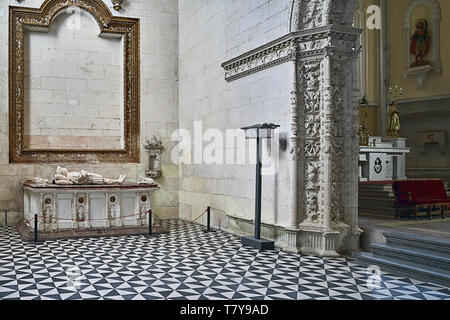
{"points": [[146, 181], [154, 148], [65, 177], [81, 207], [39, 181]]}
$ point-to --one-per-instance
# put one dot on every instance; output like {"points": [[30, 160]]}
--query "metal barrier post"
{"points": [[208, 220], [208, 216], [150, 225], [35, 228], [36, 241], [6, 218]]}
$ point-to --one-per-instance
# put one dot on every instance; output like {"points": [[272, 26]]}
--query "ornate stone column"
{"points": [[295, 148], [327, 115], [327, 110], [323, 48]]}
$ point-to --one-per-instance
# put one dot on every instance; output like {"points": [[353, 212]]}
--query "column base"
{"points": [[260, 244], [323, 243]]}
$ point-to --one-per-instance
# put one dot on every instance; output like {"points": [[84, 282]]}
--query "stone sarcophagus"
{"points": [[87, 206]]}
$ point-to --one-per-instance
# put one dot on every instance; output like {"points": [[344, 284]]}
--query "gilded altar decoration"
{"points": [[23, 18], [393, 125], [363, 132], [420, 43]]}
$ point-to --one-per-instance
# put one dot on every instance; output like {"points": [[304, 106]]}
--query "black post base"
{"points": [[208, 231], [37, 242], [260, 244], [151, 236]]}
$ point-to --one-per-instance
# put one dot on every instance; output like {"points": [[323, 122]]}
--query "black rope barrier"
{"points": [[150, 213], [208, 220]]}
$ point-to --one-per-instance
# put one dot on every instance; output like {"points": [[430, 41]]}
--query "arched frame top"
{"points": [[22, 18], [435, 10], [432, 4]]}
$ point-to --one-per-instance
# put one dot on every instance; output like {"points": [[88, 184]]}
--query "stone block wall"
{"points": [[159, 102], [212, 32], [426, 115], [74, 87]]}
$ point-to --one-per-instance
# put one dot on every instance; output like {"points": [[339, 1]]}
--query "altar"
{"points": [[87, 206], [383, 160]]}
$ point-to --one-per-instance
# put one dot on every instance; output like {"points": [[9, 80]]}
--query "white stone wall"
{"points": [[159, 104], [212, 32], [74, 85]]}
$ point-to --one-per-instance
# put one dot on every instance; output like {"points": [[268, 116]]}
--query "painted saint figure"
{"points": [[420, 43]]}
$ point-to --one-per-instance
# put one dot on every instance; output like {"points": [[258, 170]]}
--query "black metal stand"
{"points": [[6, 218], [36, 240], [208, 221], [256, 241], [150, 225]]}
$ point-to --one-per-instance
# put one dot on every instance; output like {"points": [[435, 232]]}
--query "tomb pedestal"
{"points": [[383, 160], [87, 206]]}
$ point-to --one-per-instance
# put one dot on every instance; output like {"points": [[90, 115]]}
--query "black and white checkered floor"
{"points": [[185, 264]]}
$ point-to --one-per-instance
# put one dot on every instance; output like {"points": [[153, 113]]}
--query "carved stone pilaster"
{"points": [[325, 147], [330, 157]]}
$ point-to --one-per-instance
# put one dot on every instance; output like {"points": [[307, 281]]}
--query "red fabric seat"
{"points": [[421, 192], [417, 194]]}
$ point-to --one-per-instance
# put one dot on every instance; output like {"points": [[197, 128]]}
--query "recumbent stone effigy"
{"points": [[83, 200]]}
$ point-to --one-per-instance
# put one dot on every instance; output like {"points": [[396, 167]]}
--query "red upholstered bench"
{"points": [[416, 196]]}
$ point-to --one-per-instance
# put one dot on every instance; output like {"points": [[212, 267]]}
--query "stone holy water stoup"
{"points": [[154, 148]]}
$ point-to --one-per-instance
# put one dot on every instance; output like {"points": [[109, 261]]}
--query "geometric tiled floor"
{"points": [[185, 264]]}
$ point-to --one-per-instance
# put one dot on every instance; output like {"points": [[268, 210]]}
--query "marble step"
{"points": [[375, 194], [376, 199], [380, 201], [376, 207], [438, 246], [377, 211], [405, 268], [375, 187], [422, 257]]}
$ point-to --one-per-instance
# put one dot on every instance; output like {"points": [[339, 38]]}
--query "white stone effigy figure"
{"points": [[65, 177], [146, 181]]}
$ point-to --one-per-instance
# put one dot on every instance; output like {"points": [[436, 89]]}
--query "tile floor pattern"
{"points": [[185, 264]]}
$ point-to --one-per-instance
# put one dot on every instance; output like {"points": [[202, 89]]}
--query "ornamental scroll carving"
{"points": [[339, 131], [22, 18], [310, 95]]}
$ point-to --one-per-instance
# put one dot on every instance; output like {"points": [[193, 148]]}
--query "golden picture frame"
{"points": [[24, 18]]}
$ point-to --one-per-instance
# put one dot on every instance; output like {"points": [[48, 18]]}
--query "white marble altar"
{"points": [[87, 206], [383, 160]]}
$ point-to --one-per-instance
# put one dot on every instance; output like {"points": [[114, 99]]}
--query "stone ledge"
{"points": [[332, 243]]}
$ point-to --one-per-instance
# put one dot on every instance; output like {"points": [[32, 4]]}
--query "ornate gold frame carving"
{"points": [[21, 18]]}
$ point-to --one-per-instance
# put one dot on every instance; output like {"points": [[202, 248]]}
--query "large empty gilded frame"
{"points": [[21, 19]]}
